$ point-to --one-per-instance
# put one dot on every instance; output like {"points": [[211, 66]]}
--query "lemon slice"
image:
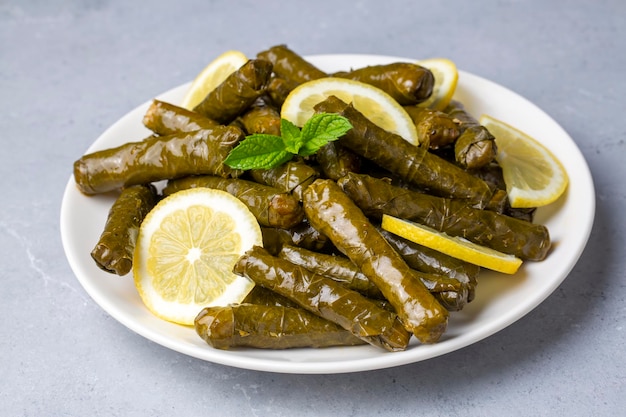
{"points": [[533, 176], [212, 76], [375, 104], [453, 246], [186, 250], [446, 78]]}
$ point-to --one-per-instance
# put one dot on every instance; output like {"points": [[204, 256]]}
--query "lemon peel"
{"points": [[453, 246]]}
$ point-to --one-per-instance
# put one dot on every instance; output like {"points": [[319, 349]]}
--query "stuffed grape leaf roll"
{"points": [[431, 261], [407, 83], [261, 118], [240, 89], [343, 270], [303, 235], [167, 119], [503, 233], [292, 177], [157, 158], [338, 268], [335, 215], [268, 327], [270, 206], [279, 88], [434, 128], [325, 298], [115, 247], [411, 163], [475, 147], [290, 66], [335, 161]]}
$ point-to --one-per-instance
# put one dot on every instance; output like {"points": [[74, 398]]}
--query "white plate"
{"points": [[500, 299]]}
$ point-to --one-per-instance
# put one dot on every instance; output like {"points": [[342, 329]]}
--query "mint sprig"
{"points": [[262, 151]]}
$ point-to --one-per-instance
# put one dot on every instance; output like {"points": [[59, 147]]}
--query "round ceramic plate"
{"points": [[500, 299]]}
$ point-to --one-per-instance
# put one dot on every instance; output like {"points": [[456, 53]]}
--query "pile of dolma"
{"points": [[327, 274]]}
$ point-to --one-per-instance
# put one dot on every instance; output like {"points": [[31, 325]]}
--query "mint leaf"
{"points": [[321, 129], [291, 136], [259, 151], [262, 151]]}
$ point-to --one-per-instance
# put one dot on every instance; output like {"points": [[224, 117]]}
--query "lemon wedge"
{"points": [[453, 246], [211, 76], [446, 78], [533, 176], [185, 252], [378, 106]]}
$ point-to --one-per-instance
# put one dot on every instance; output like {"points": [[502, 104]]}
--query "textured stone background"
{"points": [[70, 68]]}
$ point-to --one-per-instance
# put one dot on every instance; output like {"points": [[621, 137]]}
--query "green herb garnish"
{"points": [[261, 151]]}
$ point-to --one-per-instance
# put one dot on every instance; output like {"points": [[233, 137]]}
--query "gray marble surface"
{"points": [[69, 69]]}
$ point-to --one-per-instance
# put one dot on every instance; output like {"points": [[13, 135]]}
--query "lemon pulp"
{"points": [[378, 106], [533, 176], [186, 249]]}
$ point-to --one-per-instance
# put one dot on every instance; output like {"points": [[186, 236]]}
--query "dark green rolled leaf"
{"points": [[268, 327], [484, 227], [262, 118], [270, 206], [237, 93], [449, 291], [411, 163], [437, 264], [115, 247], [336, 161], [335, 215], [334, 267], [475, 147], [290, 66], [279, 88], [407, 83], [292, 176], [157, 158], [264, 297], [457, 111], [325, 298], [168, 119], [434, 128], [303, 235]]}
